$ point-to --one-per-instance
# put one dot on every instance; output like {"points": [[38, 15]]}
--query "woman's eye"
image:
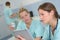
{"points": [[42, 14]]}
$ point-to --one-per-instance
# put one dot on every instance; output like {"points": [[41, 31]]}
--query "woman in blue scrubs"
{"points": [[49, 15], [8, 15], [33, 26]]}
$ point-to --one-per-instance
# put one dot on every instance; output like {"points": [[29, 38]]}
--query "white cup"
{"points": [[13, 24]]}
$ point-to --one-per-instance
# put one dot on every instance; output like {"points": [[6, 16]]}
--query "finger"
{"points": [[20, 37], [17, 38]]}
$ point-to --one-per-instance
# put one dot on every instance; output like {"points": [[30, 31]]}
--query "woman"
{"points": [[34, 26], [49, 15], [9, 15]]}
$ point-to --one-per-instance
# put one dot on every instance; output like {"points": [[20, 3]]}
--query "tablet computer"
{"points": [[24, 33]]}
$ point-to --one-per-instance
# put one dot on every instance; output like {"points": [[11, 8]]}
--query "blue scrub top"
{"points": [[56, 35], [46, 33], [35, 29], [7, 14]]}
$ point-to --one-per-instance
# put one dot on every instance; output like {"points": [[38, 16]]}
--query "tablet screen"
{"points": [[24, 33]]}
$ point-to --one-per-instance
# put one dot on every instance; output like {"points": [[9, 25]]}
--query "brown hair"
{"points": [[7, 3], [48, 7], [23, 9]]}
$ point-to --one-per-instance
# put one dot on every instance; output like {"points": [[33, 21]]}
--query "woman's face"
{"points": [[44, 16], [25, 16]]}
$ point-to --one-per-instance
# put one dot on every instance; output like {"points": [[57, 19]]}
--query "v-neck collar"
{"points": [[30, 25]]}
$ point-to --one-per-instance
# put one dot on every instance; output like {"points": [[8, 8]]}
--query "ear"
{"points": [[29, 14], [52, 12]]}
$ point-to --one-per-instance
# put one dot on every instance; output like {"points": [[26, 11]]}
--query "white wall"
{"points": [[19, 3]]}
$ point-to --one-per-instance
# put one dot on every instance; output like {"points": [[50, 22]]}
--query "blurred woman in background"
{"points": [[9, 15]]}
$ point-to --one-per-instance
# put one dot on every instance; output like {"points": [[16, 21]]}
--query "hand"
{"points": [[20, 38], [11, 28], [13, 15]]}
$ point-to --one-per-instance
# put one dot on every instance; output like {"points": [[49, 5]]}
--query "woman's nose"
{"points": [[41, 17]]}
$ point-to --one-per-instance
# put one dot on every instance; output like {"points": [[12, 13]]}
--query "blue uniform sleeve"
{"points": [[39, 30], [19, 26], [46, 33]]}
